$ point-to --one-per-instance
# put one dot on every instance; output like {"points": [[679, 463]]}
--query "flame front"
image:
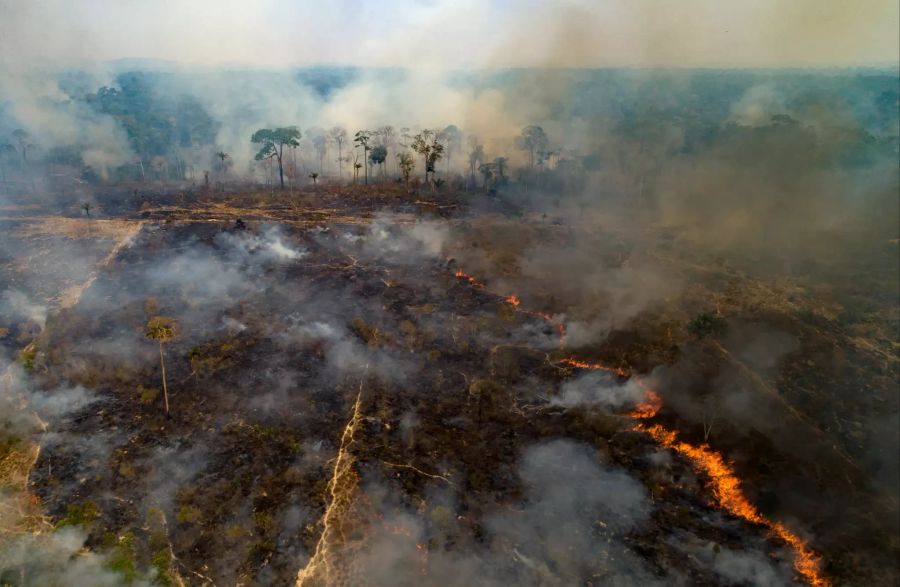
{"points": [[723, 481]]}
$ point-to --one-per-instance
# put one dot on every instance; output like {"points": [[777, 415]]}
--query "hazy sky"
{"points": [[454, 33]]}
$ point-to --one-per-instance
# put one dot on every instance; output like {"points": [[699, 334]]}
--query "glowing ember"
{"points": [[513, 301], [595, 367], [471, 280]]}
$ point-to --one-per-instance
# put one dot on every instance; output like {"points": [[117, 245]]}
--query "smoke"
{"points": [[15, 305], [599, 389], [58, 558]]}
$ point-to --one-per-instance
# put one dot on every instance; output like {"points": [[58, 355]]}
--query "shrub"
{"points": [[79, 514], [707, 324]]}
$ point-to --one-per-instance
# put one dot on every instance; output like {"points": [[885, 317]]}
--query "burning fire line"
{"points": [[726, 487], [723, 481]]}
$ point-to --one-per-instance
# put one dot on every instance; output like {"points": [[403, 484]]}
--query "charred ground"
{"points": [[479, 453]]}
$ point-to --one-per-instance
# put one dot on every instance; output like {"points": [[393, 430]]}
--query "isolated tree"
{"points": [[534, 140], [377, 156], [406, 163], [87, 208], [223, 158], [314, 176], [339, 136], [273, 141], [362, 139], [163, 330]]}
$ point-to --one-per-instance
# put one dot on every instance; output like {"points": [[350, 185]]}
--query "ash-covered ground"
{"points": [[394, 390]]}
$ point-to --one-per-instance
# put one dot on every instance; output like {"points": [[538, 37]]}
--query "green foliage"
{"points": [[378, 154], [122, 558], [188, 514], [79, 514], [147, 395], [707, 324], [273, 140], [407, 164], [27, 358], [534, 140], [161, 329], [154, 123], [162, 562]]}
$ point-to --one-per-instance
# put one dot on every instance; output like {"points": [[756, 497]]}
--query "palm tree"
{"points": [[222, 155], [362, 140], [162, 330]]}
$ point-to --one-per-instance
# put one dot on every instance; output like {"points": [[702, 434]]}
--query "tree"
{"points": [[377, 156], [223, 157], [24, 139], [476, 158], [487, 171], [362, 140], [87, 208], [427, 145], [339, 136], [163, 330], [534, 140], [273, 141], [387, 138], [452, 138], [500, 166], [314, 176], [406, 163]]}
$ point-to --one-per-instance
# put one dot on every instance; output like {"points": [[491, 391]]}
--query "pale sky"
{"points": [[454, 33]]}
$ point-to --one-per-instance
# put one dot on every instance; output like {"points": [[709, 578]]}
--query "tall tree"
{"points": [[500, 166], [339, 136], [377, 156], [452, 138], [487, 171], [476, 158], [362, 140], [223, 158], [272, 142], [534, 140], [387, 138], [24, 139], [406, 163], [427, 144], [163, 330]]}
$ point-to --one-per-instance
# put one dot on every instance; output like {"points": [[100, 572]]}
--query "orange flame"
{"points": [[595, 367], [726, 488], [471, 280], [724, 483]]}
